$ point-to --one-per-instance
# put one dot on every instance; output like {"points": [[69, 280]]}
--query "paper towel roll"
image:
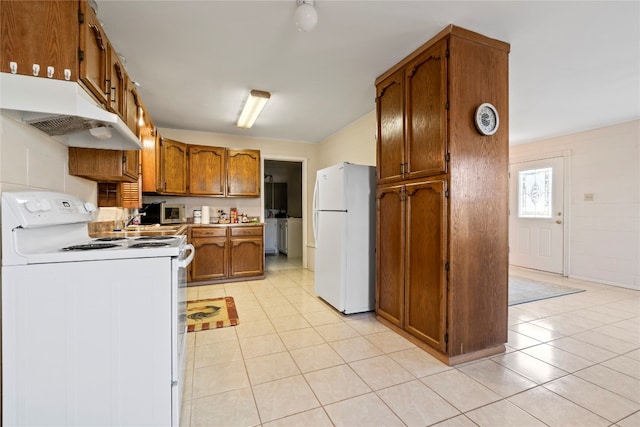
{"points": [[205, 214]]}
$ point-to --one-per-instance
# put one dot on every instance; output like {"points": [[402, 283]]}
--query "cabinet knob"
{"points": [[13, 66], [36, 69]]}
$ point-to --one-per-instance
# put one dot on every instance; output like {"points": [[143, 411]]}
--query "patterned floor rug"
{"points": [[522, 290], [211, 313]]}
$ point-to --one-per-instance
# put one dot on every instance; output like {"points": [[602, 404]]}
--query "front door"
{"points": [[536, 214]]}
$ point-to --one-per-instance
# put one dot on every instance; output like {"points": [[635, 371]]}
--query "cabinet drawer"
{"points": [[246, 231], [208, 232]]}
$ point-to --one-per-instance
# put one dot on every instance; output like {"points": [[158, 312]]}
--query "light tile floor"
{"points": [[294, 361]]}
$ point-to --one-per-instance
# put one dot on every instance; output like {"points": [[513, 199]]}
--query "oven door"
{"points": [[179, 328]]}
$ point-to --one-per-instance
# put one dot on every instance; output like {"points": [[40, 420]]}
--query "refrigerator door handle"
{"points": [[315, 228], [315, 212], [315, 195]]}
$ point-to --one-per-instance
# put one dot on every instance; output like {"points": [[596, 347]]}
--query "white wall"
{"points": [[354, 144], [31, 160], [604, 234]]}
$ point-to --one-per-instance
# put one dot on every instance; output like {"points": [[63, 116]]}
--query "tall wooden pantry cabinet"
{"points": [[442, 196]]}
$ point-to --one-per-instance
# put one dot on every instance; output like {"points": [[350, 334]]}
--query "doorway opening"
{"points": [[284, 202]]}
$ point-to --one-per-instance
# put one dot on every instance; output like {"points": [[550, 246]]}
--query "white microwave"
{"points": [[163, 213]]}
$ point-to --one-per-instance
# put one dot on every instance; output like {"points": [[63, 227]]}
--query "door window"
{"points": [[535, 193]]}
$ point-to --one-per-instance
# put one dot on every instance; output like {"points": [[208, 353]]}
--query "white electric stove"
{"points": [[93, 330]]}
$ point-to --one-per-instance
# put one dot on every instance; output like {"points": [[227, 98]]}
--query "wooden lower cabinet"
{"points": [[412, 259], [226, 253], [247, 251], [211, 257]]}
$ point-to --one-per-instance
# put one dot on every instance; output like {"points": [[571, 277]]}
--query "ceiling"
{"points": [[573, 65]]}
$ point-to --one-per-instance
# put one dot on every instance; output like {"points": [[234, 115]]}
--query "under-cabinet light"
{"points": [[253, 107]]}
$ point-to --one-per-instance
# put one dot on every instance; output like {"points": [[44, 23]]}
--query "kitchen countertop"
{"points": [[106, 230]]}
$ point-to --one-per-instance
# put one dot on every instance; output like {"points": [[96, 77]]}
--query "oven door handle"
{"points": [[183, 263]]}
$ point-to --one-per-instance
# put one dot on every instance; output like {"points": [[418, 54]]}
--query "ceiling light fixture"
{"points": [[306, 16], [253, 107]]}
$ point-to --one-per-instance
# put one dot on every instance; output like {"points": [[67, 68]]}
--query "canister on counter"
{"points": [[197, 216]]}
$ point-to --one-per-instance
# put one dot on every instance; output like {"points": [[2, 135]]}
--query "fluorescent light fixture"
{"points": [[252, 108]]}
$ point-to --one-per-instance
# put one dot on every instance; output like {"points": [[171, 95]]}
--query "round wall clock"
{"points": [[487, 120]]}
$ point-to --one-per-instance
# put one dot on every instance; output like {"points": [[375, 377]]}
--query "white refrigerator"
{"points": [[344, 232]]}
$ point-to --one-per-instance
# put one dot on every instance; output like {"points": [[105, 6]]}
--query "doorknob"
{"points": [[558, 221]]}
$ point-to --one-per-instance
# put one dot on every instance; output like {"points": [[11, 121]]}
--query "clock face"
{"points": [[487, 120]]}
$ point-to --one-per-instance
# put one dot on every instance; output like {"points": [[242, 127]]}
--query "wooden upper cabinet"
{"points": [[390, 107], [206, 170], [412, 118], [117, 85], [173, 161], [39, 32], [243, 173], [94, 55], [104, 165], [133, 108], [426, 80]]}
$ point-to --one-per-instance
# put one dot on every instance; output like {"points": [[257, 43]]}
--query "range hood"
{"points": [[63, 110]]}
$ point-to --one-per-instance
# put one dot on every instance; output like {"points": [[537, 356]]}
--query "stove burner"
{"points": [[90, 246], [155, 238], [149, 245], [110, 239]]}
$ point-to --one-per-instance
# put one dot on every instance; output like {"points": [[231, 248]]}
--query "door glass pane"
{"points": [[534, 187]]}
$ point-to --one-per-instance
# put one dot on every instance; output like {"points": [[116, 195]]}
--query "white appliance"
{"points": [[93, 330], [344, 232]]}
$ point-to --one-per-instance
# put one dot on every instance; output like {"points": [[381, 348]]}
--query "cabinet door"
{"points": [[206, 170], [132, 107], [426, 257], [427, 113], [130, 164], [39, 32], [211, 258], [117, 79], [247, 257], [247, 251], [390, 254], [243, 173], [173, 162], [94, 64], [391, 137]]}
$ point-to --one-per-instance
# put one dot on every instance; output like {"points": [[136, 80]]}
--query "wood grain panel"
{"points": [[247, 257], [427, 113], [426, 282], [39, 32], [390, 254], [479, 199], [391, 137], [206, 170], [174, 166], [211, 258], [243, 173]]}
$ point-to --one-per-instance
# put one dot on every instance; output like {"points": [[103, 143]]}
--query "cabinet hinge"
{"points": [[446, 106], [446, 53], [80, 17], [446, 193], [446, 266], [124, 159], [447, 157], [446, 338], [80, 54]]}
